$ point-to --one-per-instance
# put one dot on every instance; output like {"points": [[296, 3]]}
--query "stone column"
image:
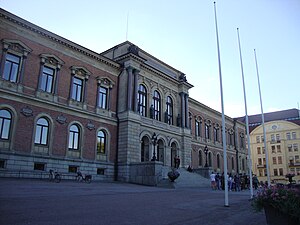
{"points": [[4, 52], [186, 110], [56, 81], [182, 109], [84, 97], [135, 93], [71, 84], [129, 88], [41, 74], [21, 77]]}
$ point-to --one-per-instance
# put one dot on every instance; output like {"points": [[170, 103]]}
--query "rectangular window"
{"points": [[100, 171], [297, 160], [260, 172], [102, 98], [279, 159], [262, 139], [77, 88], [2, 163], [259, 161], [73, 169], [278, 137], [290, 148], [295, 146], [294, 135], [257, 139], [273, 149], [280, 172], [47, 79], [39, 166], [274, 160], [11, 67], [275, 172], [288, 136], [263, 150], [298, 171], [272, 138], [278, 148], [258, 150]]}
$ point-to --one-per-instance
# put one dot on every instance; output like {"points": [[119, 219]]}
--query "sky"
{"points": [[183, 35]]}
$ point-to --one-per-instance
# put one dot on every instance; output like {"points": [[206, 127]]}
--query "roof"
{"points": [[292, 115]]}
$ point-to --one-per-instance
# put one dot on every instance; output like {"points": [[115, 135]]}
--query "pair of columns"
{"points": [[132, 88]]}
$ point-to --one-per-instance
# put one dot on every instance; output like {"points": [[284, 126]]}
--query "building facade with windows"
{"points": [[116, 115], [282, 142]]}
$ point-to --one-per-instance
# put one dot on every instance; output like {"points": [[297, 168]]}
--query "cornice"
{"points": [[36, 29]]}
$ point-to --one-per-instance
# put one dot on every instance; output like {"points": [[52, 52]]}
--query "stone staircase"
{"points": [[185, 180]]}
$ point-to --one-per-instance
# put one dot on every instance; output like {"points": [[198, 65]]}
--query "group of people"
{"points": [[237, 182]]}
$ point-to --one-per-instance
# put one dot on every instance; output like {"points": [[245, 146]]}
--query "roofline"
{"points": [[54, 37]]}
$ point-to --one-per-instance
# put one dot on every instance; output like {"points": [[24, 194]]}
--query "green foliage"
{"points": [[286, 200]]}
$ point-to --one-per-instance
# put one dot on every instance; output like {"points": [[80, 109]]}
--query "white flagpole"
{"points": [[247, 121], [263, 125], [223, 116]]}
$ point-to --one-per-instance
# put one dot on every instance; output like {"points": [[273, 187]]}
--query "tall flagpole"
{"points": [[223, 116], [263, 124], [247, 121]]}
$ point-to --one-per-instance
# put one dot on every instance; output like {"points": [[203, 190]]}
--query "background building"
{"points": [[283, 142], [118, 115]]}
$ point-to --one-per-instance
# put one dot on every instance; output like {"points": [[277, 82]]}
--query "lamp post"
{"points": [[154, 140], [206, 151]]}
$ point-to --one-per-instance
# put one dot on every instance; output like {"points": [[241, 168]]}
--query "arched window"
{"points": [[156, 104], [218, 161], [200, 159], [101, 142], [170, 110], [74, 135], [5, 124], [41, 132], [207, 131], [142, 100]]}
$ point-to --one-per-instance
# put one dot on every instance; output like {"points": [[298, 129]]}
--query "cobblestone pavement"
{"points": [[40, 202]]}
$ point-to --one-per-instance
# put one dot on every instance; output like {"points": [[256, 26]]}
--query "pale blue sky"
{"points": [[182, 34]]}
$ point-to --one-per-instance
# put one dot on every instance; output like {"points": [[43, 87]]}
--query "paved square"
{"points": [[40, 202]]}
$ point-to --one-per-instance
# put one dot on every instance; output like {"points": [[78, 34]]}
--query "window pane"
{"points": [[11, 67], [44, 135], [102, 97], [38, 134], [5, 121]]}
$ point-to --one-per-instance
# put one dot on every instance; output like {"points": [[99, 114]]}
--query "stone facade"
{"points": [[116, 115]]}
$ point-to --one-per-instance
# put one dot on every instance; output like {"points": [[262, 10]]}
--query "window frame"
{"points": [[170, 107], [157, 105], [43, 132], [142, 100], [74, 138], [3, 121]]}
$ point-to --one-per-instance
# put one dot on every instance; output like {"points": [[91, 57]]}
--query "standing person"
{"points": [[213, 180], [178, 162], [255, 182], [218, 181], [237, 181]]}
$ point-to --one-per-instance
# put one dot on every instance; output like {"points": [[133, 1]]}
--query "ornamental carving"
{"points": [[26, 111], [90, 126], [61, 119]]}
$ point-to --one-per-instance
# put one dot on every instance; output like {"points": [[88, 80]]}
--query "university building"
{"points": [[118, 115], [282, 142]]}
